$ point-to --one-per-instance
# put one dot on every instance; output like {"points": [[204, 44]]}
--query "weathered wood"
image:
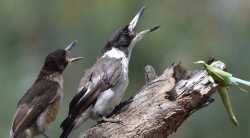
{"points": [[150, 73], [160, 107]]}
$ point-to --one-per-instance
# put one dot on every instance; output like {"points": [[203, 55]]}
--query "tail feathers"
{"points": [[18, 135], [11, 133], [65, 122], [67, 126], [239, 81]]}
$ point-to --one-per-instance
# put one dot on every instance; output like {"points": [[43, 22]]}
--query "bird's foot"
{"points": [[45, 135], [105, 119]]}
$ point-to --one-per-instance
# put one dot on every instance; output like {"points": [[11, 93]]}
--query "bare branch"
{"points": [[160, 107]]}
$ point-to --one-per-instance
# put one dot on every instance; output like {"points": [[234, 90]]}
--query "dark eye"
{"points": [[123, 39]]}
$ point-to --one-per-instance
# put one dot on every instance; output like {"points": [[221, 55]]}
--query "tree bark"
{"points": [[161, 106]]}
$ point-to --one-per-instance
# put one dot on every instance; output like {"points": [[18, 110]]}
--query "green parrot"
{"points": [[224, 80]]}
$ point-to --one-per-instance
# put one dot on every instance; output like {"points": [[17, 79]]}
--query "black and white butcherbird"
{"points": [[39, 106], [103, 85]]}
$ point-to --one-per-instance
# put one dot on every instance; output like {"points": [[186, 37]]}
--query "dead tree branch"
{"points": [[161, 106]]}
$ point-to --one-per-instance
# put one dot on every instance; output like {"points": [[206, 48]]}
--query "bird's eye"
{"points": [[123, 39]]}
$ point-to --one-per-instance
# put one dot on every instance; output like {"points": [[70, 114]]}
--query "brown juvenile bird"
{"points": [[40, 104]]}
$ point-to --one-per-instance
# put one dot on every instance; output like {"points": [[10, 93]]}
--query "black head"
{"points": [[58, 60], [127, 37], [121, 39]]}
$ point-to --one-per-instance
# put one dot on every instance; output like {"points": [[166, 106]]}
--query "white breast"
{"points": [[123, 83], [118, 54], [112, 97]]}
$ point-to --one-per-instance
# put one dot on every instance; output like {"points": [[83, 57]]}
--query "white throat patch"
{"points": [[114, 53]]}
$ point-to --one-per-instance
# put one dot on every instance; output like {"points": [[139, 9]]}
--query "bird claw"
{"points": [[117, 121], [45, 135]]}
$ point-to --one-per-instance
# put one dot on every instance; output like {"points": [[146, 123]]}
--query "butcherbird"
{"points": [[40, 104], [103, 85]]}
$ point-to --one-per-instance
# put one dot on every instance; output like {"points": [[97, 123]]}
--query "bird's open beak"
{"points": [[75, 59], [134, 22], [142, 33], [71, 45], [69, 48]]}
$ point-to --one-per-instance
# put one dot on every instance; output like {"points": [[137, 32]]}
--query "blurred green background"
{"points": [[190, 30]]}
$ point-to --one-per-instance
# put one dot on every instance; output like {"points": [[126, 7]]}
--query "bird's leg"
{"points": [[45, 135]]}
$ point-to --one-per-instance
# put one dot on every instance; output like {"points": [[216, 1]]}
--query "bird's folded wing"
{"points": [[102, 76], [33, 103], [76, 98]]}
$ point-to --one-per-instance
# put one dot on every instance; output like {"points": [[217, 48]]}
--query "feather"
{"points": [[102, 76], [33, 103]]}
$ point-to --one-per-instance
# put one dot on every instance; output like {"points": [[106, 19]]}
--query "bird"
{"points": [[224, 80], [39, 106], [103, 85]]}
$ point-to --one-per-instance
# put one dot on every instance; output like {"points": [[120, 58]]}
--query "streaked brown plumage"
{"points": [[38, 108]]}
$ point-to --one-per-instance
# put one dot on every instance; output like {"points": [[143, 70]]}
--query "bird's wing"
{"points": [[76, 98], [102, 76], [33, 103]]}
